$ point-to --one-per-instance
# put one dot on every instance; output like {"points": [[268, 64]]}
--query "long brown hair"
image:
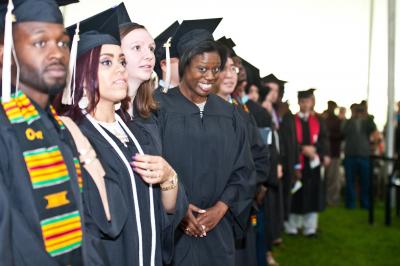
{"points": [[144, 103]]}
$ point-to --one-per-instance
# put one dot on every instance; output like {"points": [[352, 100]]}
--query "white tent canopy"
{"points": [[321, 44]]}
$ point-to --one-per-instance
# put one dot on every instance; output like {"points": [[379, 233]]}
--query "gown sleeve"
{"points": [[323, 147], [5, 227], [170, 223], [95, 218], [241, 186], [260, 152]]}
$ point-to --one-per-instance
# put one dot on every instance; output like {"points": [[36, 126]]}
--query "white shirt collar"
{"points": [[162, 84]]}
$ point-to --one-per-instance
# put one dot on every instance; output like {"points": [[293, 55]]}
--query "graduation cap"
{"points": [[95, 31], [305, 94], [163, 38], [123, 16], [66, 2], [15, 11], [192, 32], [273, 79], [228, 43], [252, 73], [186, 36]]}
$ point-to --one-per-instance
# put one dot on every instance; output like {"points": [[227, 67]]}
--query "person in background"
{"points": [[246, 246], [165, 39], [333, 180], [397, 133], [288, 142], [274, 215], [357, 132], [308, 201]]}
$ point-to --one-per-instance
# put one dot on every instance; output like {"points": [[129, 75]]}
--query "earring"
{"points": [[83, 102], [117, 106]]}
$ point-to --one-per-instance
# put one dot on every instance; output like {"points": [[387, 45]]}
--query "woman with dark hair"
{"points": [[142, 193], [204, 139]]}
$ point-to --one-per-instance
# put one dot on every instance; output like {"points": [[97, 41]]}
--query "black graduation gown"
{"points": [[273, 203], [24, 242], [120, 235], [212, 158], [310, 197], [246, 247], [6, 257], [147, 132], [289, 157]]}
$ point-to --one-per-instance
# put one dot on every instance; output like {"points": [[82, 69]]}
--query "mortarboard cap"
{"points": [[66, 2], [305, 94], [38, 11], [34, 10], [161, 39], [253, 73], [228, 43], [17, 11], [123, 16], [97, 30], [192, 32], [272, 78], [186, 36]]}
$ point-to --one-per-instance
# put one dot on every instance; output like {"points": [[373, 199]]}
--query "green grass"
{"points": [[345, 238]]}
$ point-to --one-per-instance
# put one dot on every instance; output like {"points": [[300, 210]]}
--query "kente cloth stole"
{"points": [[314, 127], [241, 105], [60, 219]]}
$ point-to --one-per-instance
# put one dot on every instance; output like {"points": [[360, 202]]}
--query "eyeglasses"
{"points": [[232, 69], [235, 69]]}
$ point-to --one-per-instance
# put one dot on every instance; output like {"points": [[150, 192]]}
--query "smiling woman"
{"points": [[204, 140], [200, 74]]}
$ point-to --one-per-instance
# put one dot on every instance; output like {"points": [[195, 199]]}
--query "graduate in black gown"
{"points": [[309, 199], [145, 200], [204, 139], [274, 201], [287, 135], [42, 221], [141, 119], [246, 251]]}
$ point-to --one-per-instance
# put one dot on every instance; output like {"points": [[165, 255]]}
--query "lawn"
{"points": [[345, 238]]}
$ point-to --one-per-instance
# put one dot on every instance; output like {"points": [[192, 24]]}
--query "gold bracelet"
{"points": [[172, 183]]}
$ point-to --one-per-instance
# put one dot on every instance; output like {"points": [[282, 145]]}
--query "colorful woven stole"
{"points": [[242, 105], [60, 219]]}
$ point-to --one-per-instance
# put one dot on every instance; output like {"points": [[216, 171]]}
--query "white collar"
{"points": [[162, 84], [304, 115]]}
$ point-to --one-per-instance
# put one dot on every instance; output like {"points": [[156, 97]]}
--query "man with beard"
{"points": [[40, 175]]}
